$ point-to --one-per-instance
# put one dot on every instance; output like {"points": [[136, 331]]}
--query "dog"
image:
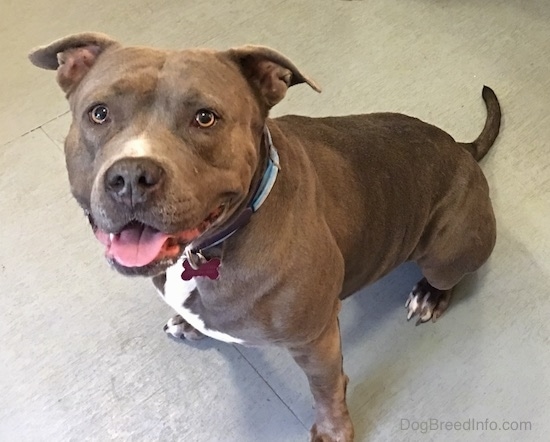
{"points": [[255, 229]]}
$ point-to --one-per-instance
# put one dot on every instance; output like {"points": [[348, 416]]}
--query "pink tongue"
{"points": [[137, 246]]}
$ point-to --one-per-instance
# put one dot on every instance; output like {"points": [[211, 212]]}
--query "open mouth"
{"points": [[139, 245]]}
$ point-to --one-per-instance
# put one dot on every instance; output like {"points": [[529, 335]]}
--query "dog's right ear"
{"points": [[72, 57]]}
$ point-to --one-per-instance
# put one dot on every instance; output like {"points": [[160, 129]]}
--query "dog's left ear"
{"points": [[269, 71]]}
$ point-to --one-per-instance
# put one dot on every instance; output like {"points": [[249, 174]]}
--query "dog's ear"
{"points": [[269, 71], [72, 57]]}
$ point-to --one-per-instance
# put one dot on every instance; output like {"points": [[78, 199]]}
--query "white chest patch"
{"points": [[176, 292]]}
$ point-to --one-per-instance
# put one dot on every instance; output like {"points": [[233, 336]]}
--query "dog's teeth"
{"points": [[111, 236]]}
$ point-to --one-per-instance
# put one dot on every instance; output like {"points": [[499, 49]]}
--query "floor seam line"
{"points": [[34, 129], [271, 388], [49, 138]]}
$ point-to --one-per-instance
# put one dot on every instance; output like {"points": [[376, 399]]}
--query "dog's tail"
{"points": [[488, 135]]}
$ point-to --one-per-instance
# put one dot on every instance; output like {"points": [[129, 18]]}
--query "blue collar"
{"points": [[193, 252], [270, 173]]}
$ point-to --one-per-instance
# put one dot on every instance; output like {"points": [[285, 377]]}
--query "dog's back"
{"points": [[403, 168]]}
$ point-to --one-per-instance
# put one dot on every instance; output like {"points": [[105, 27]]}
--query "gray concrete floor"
{"points": [[82, 353]]}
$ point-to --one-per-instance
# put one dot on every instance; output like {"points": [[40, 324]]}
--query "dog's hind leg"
{"points": [[460, 247]]}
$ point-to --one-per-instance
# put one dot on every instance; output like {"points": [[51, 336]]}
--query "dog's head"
{"points": [[164, 145]]}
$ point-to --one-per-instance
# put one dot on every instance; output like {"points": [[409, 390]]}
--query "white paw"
{"points": [[175, 327], [418, 304], [427, 302]]}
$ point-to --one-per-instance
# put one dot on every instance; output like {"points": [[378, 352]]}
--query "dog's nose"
{"points": [[132, 181]]}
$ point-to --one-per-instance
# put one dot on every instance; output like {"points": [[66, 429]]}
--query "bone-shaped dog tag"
{"points": [[208, 269]]}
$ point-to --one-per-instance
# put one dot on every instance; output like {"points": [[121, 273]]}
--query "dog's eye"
{"points": [[205, 118], [99, 114]]}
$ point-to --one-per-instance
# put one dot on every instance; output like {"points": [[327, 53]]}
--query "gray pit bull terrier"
{"points": [[254, 229]]}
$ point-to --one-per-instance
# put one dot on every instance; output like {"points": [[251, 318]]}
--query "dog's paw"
{"points": [[427, 302], [179, 328], [331, 434]]}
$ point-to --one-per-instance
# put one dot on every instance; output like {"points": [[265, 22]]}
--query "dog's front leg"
{"points": [[175, 295], [321, 360]]}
